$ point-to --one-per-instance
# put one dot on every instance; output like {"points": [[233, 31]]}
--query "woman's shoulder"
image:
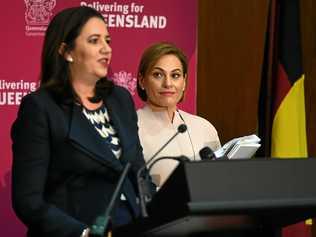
{"points": [[121, 94], [197, 122], [194, 118], [39, 96], [35, 104], [122, 99], [141, 111], [120, 90], [146, 115], [143, 117], [201, 126]]}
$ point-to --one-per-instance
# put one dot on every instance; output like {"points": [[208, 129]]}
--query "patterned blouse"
{"points": [[102, 123]]}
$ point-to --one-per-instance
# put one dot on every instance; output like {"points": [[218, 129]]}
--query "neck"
{"points": [[83, 89], [169, 110], [84, 92]]}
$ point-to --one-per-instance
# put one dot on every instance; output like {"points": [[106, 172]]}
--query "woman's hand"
{"points": [[85, 233]]}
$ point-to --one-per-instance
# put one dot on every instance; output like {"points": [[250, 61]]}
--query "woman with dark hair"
{"points": [[162, 81], [74, 135]]}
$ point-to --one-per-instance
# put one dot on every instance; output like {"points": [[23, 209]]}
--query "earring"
{"points": [[70, 59]]}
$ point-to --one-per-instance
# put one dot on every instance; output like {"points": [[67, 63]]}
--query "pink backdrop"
{"points": [[133, 25]]}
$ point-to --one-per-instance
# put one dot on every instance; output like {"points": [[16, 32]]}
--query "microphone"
{"points": [[102, 223], [144, 193], [207, 153], [181, 129]]}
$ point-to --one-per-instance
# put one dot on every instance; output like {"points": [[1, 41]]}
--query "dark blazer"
{"points": [[63, 174]]}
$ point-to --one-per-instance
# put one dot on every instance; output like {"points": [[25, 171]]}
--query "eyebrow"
{"points": [[159, 68], [99, 35]]}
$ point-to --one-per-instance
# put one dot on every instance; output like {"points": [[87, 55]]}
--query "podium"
{"points": [[231, 198]]}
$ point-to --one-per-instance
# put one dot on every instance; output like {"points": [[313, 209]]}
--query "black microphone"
{"points": [[207, 153], [102, 223], [144, 193], [181, 129]]}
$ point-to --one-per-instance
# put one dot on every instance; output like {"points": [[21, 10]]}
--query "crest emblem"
{"points": [[38, 12], [125, 80]]}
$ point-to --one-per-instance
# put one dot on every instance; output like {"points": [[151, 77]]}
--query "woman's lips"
{"points": [[167, 93], [104, 62]]}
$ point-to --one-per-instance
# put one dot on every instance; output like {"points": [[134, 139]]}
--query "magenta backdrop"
{"points": [[133, 25]]}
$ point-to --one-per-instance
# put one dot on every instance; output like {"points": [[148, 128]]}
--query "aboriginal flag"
{"points": [[282, 102]]}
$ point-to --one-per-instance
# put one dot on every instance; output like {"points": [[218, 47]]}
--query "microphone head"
{"points": [[182, 128], [206, 153]]}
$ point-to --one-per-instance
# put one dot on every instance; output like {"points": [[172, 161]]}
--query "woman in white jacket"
{"points": [[162, 80]]}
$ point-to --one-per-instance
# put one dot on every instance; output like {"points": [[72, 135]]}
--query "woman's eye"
{"points": [[108, 41], [157, 75], [176, 75], [93, 40]]}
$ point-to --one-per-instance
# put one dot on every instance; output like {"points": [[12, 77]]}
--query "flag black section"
{"points": [[265, 95], [289, 39]]}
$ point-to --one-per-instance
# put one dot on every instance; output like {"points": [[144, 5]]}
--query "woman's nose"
{"points": [[167, 81], [106, 48]]}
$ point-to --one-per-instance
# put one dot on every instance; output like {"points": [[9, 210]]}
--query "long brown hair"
{"points": [[64, 28]]}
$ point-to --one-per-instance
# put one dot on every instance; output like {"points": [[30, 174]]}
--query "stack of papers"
{"points": [[239, 148]]}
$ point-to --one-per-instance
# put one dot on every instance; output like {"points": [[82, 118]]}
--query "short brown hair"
{"points": [[150, 57]]}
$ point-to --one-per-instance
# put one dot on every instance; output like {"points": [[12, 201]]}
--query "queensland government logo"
{"points": [[37, 16]]}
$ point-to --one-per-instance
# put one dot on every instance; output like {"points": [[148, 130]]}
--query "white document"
{"points": [[239, 148]]}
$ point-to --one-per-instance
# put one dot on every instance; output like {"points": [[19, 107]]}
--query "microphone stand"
{"points": [[144, 194], [102, 223], [177, 158]]}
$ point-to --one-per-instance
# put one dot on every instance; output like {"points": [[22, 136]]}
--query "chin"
{"points": [[167, 105], [170, 103], [101, 75]]}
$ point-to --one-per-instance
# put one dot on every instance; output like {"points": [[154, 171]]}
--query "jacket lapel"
{"points": [[84, 136], [117, 118]]}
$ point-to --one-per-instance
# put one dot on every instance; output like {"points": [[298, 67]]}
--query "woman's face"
{"points": [[91, 55], [165, 82]]}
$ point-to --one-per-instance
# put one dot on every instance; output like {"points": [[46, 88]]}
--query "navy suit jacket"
{"points": [[63, 175]]}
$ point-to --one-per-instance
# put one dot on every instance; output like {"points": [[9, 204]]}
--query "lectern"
{"points": [[231, 198]]}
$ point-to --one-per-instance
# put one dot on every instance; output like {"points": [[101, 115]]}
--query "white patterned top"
{"points": [[102, 123]]}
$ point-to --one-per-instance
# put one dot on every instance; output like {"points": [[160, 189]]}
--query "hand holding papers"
{"points": [[239, 148]]}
